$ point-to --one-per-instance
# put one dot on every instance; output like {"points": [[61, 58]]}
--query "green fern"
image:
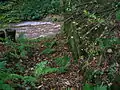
{"points": [[19, 50], [14, 77], [92, 87], [62, 61], [7, 76], [42, 69], [48, 51], [118, 15], [100, 88], [29, 80], [108, 42], [4, 86], [50, 44], [2, 64], [4, 77], [88, 87]]}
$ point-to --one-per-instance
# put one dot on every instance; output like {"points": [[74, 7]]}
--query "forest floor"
{"points": [[72, 77], [47, 49]]}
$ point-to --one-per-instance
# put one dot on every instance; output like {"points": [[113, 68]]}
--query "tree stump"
{"points": [[11, 34], [2, 36], [8, 33]]}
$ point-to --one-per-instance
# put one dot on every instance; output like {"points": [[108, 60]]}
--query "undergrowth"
{"points": [[93, 35], [17, 10], [12, 77]]}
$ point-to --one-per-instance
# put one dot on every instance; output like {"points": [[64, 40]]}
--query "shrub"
{"points": [[42, 69], [88, 24], [8, 79], [93, 36], [16, 10]]}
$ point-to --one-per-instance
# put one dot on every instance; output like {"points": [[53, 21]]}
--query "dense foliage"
{"points": [[13, 77], [93, 34], [15, 10]]}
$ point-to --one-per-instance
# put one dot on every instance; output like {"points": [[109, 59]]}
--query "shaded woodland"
{"points": [[84, 55]]}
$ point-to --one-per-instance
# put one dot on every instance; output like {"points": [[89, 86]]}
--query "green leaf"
{"points": [[50, 44], [23, 53], [42, 69], [88, 87], [62, 69], [2, 64], [107, 42], [100, 88], [2, 39], [4, 76], [14, 77], [5, 87], [118, 15], [62, 61], [29, 80], [48, 51], [86, 12]]}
